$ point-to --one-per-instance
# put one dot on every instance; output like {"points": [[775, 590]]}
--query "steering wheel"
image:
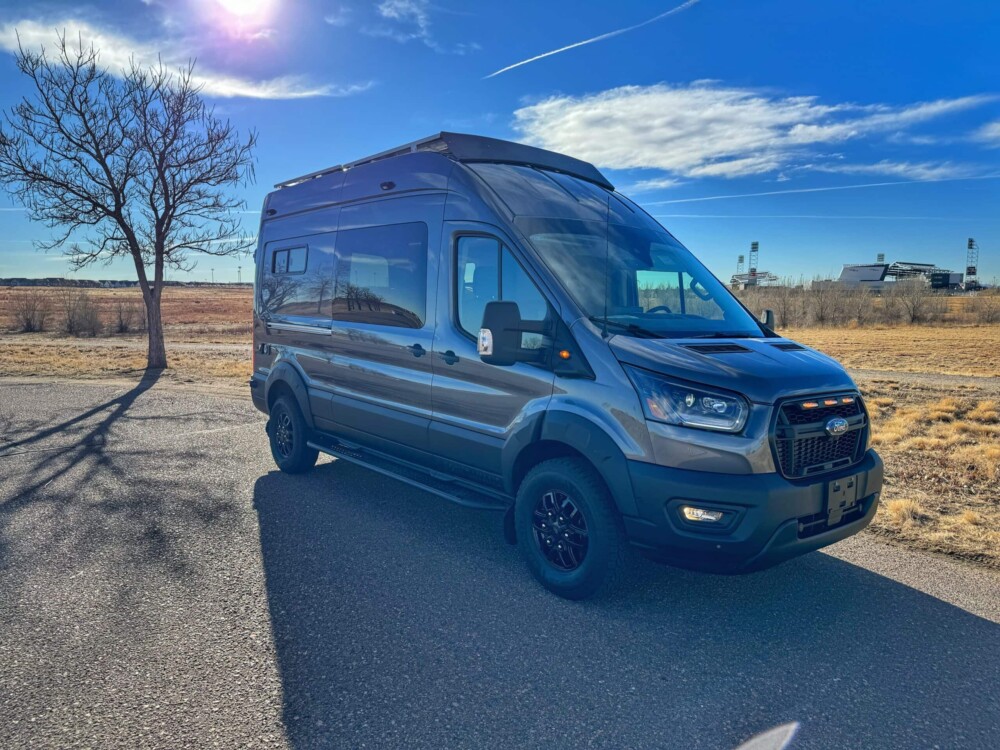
{"points": [[660, 308]]}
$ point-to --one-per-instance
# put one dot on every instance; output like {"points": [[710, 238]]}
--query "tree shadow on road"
{"points": [[402, 621], [86, 485]]}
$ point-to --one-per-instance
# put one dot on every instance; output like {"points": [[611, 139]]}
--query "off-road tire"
{"points": [[288, 434], [608, 553]]}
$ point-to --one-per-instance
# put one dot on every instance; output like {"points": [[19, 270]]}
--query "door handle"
{"points": [[449, 357], [417, 350]]}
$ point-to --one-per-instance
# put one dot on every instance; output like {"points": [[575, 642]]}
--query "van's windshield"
{"points": [[637, 281]]}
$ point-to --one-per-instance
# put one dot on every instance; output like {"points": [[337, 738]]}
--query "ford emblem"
{"points": [[837, 427]]}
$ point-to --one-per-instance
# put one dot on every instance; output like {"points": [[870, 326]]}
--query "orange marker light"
{"points": [[564, 354], [830, 402], [810, 405], [847, 400]]}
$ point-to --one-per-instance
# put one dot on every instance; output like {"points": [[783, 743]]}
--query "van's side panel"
{"points": [[477, 407], [381, 374], [292, 310]]}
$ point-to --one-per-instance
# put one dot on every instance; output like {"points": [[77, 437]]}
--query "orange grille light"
{"points": [[830, 402], [810, 405], [847, 400]]}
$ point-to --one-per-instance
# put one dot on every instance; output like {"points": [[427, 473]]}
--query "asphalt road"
{"points": [[162, 586]]}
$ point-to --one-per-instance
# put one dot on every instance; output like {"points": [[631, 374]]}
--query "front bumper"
{"points": [[768, 518]]}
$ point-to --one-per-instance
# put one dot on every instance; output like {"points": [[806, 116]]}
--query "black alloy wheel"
{"points": [[560, 530]]}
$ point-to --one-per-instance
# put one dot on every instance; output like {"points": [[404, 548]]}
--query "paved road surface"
{"points": [[162, 586]]}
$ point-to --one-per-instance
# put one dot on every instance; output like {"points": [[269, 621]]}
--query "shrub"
{"points": [[81, 316], [30, 309], [129, 316], [986, 308]]}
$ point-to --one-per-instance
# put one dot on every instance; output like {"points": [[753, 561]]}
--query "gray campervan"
{"points": [[495, 324]]}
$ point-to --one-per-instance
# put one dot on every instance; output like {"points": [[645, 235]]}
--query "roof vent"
{"points": [[716, 348]]}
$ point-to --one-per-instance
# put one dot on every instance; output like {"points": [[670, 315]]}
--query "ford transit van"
{"points": [[495, 324]]}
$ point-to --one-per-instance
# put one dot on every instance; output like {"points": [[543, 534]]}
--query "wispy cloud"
{"points": [[705, 129], [816, 190], [117, 49], [918, 171], [989, 134], [338, 16], [599, 38], [410, 20]]}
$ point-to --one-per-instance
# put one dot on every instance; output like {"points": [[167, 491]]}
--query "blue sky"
{"points": [[814, 104]]}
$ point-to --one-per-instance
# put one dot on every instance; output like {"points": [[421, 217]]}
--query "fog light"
{"points": [[701, 514]]}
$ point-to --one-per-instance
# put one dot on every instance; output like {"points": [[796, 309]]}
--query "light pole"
{"points": [[239, 274], [213, 275]]}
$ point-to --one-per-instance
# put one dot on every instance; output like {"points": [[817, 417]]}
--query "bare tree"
{"points": [[133, 165], [911, 297]]}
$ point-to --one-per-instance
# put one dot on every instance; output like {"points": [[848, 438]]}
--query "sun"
{"points": [[246, 8]]}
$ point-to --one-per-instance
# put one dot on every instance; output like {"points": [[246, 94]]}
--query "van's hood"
{"points": [[762, 370]]}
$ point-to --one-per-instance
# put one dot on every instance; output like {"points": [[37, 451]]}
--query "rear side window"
{"points": [[298, 281], [487, 271], [381, 276], [289, 260]]}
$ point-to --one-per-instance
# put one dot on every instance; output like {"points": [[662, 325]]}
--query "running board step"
{"points": [[453, 489]]}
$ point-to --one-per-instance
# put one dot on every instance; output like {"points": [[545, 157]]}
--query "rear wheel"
{"points": [[569, 529], [288, 434]]}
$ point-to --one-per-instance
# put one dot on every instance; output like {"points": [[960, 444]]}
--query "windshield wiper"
{"points": [[631, 328]]}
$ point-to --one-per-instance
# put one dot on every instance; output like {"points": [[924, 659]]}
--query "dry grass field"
{"points": [[945, 350], [935, 399]]}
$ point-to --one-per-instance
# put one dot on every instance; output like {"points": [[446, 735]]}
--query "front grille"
{"points": [[801, 443]]}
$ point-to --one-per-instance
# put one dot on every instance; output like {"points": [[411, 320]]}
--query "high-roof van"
{"points": [[495, 324]]}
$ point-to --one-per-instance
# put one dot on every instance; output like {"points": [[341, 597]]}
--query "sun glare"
{"points": [[246, 8]]}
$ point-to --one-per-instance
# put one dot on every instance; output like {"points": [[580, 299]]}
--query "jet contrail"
{"points": [[824, 217], [601, 38], [819, 189]]}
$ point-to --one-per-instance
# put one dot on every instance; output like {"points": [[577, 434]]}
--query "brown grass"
{"points": [[951, 350], [942, 458], [201, 314]]}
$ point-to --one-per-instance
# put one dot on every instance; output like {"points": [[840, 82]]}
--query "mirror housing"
{"points": [[500, 337], [768, 319]]}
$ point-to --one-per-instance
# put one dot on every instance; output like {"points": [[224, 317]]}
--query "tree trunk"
{"points": [[156, 358]]}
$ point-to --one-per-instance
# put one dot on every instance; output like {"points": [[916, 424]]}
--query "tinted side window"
{"points": [[478, 279], [298, 282], [381, 275], [289, 260], [486, 272]]}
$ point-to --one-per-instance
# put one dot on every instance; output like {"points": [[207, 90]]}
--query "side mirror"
{"points": [[500, 337], [768, 320]]}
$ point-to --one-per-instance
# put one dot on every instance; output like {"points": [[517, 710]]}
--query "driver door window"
{"points": [[487, 271]]}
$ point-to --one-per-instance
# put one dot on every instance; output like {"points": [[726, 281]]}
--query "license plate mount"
{"points": [[841, 497]]}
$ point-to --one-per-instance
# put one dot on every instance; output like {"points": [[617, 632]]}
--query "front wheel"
{"points": [[569, 529], [288, 433]]}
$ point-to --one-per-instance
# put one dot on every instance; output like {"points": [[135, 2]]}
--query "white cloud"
{"points": [[708, 129], [338, 16], [410, 20], [922, 171], [117, 50], [989, 134]]}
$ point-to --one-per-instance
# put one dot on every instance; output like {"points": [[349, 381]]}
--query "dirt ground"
{"points": [[934, 394]]}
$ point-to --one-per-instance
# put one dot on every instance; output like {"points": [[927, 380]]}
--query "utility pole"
{"points": [[239, 274]]}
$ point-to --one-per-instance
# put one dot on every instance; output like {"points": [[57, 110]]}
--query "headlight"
{"points": [[676, 402]]}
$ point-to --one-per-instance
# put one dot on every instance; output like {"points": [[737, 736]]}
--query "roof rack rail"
{"points": [[474, 148]]}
